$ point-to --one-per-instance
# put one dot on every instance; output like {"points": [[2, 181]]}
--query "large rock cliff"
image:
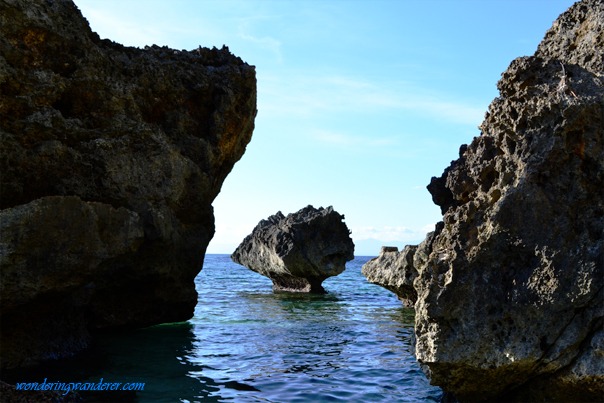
{"points": [[300, 251], [510, 296], [111, 157]]}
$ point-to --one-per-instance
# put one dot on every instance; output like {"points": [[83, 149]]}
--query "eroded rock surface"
{"points": [[510, 290], [300, 251], [110, 159], [394, 271]]}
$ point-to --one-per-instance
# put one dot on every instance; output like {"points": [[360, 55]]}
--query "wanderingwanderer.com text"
{"points": [[67, 387]]}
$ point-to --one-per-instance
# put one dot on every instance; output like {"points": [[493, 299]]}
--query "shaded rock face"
{"points": [[394, 271], [510, 287], [110, 158], [300, 251]]}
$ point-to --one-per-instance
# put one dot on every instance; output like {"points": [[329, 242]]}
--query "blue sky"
{"points": [[360, 103]]}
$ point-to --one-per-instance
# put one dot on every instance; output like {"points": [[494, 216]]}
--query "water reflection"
{"points": [[158, 356], [337, 346], [272, 335], [161, 355]]}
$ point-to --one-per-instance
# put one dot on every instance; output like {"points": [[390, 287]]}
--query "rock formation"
{"points": [[111, 157], [510, 290], [394, 271], [300, 251]]}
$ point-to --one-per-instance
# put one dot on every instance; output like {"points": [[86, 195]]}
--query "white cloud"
{"points": [[157, 22], [262, 42], [125, 31], [348, 140], [297, 95], [451, 111], [428, 228], [388, 233]]}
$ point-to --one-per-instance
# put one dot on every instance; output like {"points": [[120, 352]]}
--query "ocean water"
{"points": [[249, 344]]}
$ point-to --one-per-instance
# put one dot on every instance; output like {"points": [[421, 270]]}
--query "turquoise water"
{"points": [[248, 344]]}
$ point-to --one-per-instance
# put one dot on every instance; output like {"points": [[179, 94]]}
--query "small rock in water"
{"points": [[394, 271], [300, 251]]}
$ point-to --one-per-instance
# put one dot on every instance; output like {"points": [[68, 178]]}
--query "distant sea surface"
{"points": [[249, 344]]}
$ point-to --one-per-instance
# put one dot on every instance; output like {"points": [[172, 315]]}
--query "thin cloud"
{"points": [[388, 233], [124, 31], [266, 42], [428, 228], [450, 111], [348, 140], [289, 94], [247, 33]]}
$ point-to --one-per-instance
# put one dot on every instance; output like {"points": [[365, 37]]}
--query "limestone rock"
{"points": [[510, 287], [110, 158], [300, 251], [394, 271]]}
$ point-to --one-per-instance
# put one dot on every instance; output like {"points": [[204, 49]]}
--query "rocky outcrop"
{"points": [[110, 157], [300, 251], [510, 290], [394, 271]]}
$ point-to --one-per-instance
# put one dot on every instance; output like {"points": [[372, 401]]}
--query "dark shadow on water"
{"points": [[157, 356], [295, 306], [303, 296], [404, 316]]}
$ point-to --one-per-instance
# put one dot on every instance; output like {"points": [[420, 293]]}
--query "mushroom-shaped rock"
{"points": [[300, 251], [394, 271]]}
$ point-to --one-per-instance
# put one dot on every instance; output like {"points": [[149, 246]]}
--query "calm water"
{"points": [[248, 344]]}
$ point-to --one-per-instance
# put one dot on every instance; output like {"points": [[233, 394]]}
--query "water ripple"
{"points": [[248, 344], [353, 344]]}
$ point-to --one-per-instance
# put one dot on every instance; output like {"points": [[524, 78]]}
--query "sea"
{"points": [[247, 343]]}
